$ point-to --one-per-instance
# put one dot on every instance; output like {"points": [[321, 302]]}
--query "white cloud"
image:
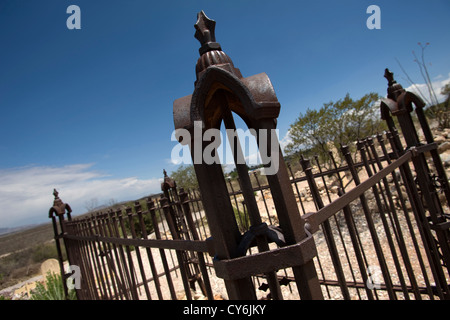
{"points": [[26, 192], [285, 140], [422, 90]]}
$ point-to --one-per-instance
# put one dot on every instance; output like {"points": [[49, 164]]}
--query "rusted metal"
{"points": [[182, 227], [317, 218], [293, 255], [220, 89], [380, 208], [163, 257], [410, 271], [400, 104], [117, 270], [59, 209]]}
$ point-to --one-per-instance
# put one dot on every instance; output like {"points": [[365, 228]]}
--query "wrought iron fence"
{"points": [[373, 240], [371, 224]]}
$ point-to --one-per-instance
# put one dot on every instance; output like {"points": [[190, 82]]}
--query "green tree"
{"points": [[185, 177], [309, 133], [446, 92], [317, 131]]}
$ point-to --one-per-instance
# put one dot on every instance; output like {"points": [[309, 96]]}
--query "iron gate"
{"points": [[375, 227]]}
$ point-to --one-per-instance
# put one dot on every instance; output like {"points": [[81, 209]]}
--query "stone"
{"points": [[445, 157], [50, 265], [320, 186], [334, 189], [439, 139], [444, 147]]}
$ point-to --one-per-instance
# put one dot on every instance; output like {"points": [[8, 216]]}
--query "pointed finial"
{"points": [[205, 33], [394, 89], [165, 173], [389, 76], [59, 207]]}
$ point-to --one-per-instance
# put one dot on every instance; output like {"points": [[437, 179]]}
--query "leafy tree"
{"points": [[446, 91], [185, 177], [310, 132], [318, 131]]}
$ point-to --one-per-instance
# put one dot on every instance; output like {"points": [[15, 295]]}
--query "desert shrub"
{"points": [[14, 265], [53, 289], [44, 251], [26, 262], [242, 219]]}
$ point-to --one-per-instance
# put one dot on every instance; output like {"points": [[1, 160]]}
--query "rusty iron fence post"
{"points": [[152, 211], [399, 103], [138, 210], [184, 268], [59, 209], [204, 284], [370, 224], [182, 227], [306, 165], [220, 90]]}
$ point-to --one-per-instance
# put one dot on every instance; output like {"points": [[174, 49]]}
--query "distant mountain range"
{"points": [[4, 231], [11, 230]]}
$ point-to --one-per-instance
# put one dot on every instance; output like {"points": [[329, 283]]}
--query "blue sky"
{"points": [[89, 111]]}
